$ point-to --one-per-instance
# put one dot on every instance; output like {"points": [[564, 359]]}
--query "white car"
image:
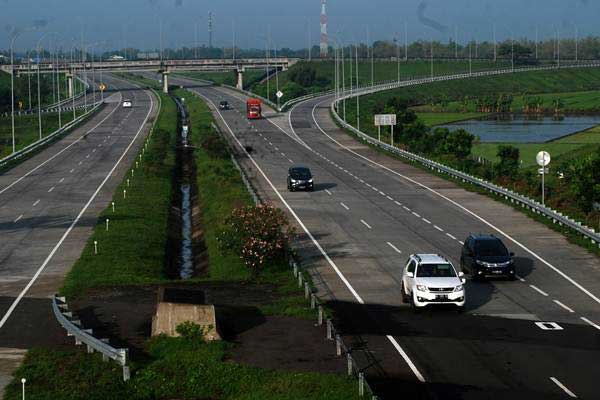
{"points": [[127, 104], [431, 279]]}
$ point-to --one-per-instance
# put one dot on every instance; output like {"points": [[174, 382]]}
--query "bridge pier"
{"points": [[240, 78], [69, 84], [165, 81]]}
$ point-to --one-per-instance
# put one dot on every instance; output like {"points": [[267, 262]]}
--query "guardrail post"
{"points": [[313, 301], [306, 290], [320, 316], [329, 329], [349, 358], [295, 268], [361, 384], [338, 345], [126, 373], [299, 280]]}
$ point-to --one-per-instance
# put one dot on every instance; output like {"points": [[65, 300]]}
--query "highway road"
{"points": [[48, 207], [370, 211]]}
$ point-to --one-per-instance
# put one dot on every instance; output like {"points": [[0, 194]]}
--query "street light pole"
{"points": [[12, 88]]}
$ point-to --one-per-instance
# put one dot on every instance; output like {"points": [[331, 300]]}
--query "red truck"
{"points": [[253, 109]]}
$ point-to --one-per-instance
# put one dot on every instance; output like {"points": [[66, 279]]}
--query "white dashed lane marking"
{"points": [[438, 228], [36, 203], [450, 236], [397, 250], [584, 319], [18, 218], [71, 171], [51, 189], [345, 206], [61, 180], [537, 289], [564, 306], [365, 224], [563, 387], [416, 215], [426, 221], [328, 192]]}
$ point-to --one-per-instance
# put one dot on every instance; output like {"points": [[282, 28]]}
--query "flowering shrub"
{"points": [[258, 234]]}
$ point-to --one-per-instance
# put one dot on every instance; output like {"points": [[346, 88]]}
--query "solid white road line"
{"points": [[339, 273], [16, 302], [463, 208], [36, 203], [345, 206], [563, 306], [584, 319], [51, 189], [18, 218], [563, 387], [328, 192], [537, 289], [397, 250], [450, 236], [365, 224], [60, 152], [438, 228]]}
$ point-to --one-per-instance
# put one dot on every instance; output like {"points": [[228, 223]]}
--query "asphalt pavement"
{"points": [[369, 212]]}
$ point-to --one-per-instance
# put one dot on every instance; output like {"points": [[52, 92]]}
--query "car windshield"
{"points": [[223, 103], [300, 173], [435, 271], [488, 248]]}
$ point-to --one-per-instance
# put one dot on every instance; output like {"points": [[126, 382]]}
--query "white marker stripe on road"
{"points": [[345, 206], [397, 250], [80, 162], [51, 189], [93, 150], [18, 218], [584, 319], [36, 203], [563, 387], [406, 358], [365, 224], [389, 198], [426, 221], [563, 306], [88, 156], [461, 242], [16, 302], [416, 215], [381, 193], [438, 228], [61, 180], [450, 236], [328, 192], [406, 208], [72, 170], [537, 289], [397, 203], [283, 154], [290, 160]]}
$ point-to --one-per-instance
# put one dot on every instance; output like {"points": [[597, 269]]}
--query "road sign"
{"points": [[20, 105], [385, 119], [102, 87], [279, 94], [543, 158], [542, 171]]}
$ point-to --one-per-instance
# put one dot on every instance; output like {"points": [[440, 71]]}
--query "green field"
{"points": [[432, 119], [382, 71], [27, 129], [251, 77]]}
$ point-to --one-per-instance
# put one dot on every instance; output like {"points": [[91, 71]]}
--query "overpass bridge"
{"points": [[165, 67]]}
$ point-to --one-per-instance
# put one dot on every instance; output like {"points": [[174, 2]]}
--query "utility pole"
{"points": [[344, 80], [494, 39], [456, 42], [576, 44], [309, 40], [431, 56], [405, 42], [357, 97], [210, 30], [536, 42], [372, 63], [397, 56]]}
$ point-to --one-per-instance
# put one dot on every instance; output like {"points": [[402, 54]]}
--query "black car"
{"points": [[485, 256], [300, 178], [224, 105]]}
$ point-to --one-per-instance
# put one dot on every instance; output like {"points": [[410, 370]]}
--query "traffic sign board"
{"points": [[543, 171], [543, 158], [279, 94], [385, 119]]}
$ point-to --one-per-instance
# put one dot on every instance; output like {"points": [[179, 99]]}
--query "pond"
{"points": [[519, 128]]}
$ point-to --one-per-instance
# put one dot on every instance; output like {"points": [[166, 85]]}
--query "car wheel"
{"points": [[405, 298]]}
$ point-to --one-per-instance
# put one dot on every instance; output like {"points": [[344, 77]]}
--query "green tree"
{"points": [[457, 143], [584, 177], [509, 160], [303, 74]]}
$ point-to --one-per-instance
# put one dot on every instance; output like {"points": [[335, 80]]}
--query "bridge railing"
{"points": [[509, 195]]}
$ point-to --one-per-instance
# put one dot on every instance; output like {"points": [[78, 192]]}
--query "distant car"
{"points": [[127, 104], [224, 105], [486, 255], [300, 178], [431, 279]]}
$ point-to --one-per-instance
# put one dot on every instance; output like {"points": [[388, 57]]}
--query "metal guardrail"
{"points": [[85, 336], [34, 146], [507, 194]]}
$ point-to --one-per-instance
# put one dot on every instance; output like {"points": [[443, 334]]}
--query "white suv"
{"points": [[431, 279]]}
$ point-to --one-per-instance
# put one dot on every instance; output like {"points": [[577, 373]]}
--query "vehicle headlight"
{"points": [[481, 262], [422, 288], [293, 181], [310, 180], [458, 288]]}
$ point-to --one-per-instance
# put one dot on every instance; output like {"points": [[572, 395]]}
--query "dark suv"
{"points": [[300, 178], [224, 105], [486, 255]]}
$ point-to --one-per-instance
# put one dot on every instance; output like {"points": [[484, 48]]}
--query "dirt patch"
{"points": [[271, 342]]}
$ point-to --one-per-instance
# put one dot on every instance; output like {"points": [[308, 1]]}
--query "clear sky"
{"points": [[137, 22]]}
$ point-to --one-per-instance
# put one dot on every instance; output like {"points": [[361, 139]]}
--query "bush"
{"points": [[191, 331], [215, 146], [257, 234]]}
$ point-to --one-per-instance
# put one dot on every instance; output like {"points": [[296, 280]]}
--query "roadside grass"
{"points": [[132, 252], [251, 77], [441, 118], [176, 367], [27, 129], [382, 71]]}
